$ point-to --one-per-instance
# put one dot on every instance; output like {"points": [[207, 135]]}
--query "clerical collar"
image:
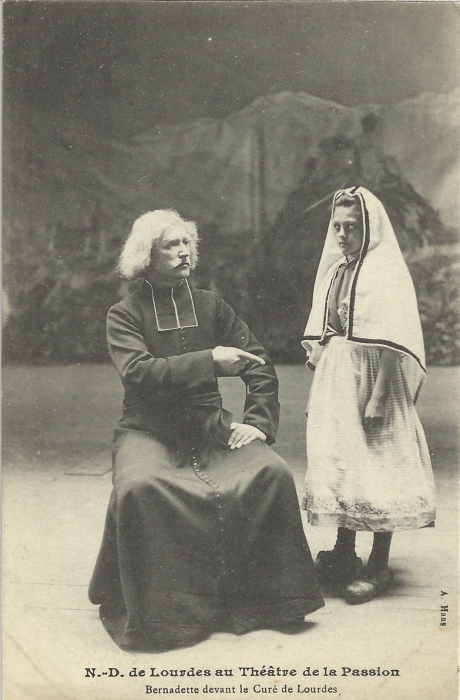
{"points": [[174, 307]]}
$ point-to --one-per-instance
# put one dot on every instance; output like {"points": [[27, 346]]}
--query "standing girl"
{"points": [[368, 463]]}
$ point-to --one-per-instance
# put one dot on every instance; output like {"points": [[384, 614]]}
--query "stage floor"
{"points": [[57, 424]]}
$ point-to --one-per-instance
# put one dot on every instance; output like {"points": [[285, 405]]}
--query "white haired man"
{"points": [[203, 530]]}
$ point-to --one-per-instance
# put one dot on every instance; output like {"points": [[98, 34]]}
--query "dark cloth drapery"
{"points": [[198, 537]]}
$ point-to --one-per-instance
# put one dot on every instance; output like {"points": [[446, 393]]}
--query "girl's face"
{"points": [[348, 229]]}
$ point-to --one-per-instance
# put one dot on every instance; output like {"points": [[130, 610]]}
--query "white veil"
{"points": [[382, 305]]}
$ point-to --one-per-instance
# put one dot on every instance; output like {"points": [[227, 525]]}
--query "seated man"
{"points": [[203, 530]]}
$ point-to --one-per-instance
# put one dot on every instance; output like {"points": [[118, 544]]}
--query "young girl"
{"points": [[368, 462]]}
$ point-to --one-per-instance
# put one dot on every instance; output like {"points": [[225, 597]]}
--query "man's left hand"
{"points": [[243, 434]]}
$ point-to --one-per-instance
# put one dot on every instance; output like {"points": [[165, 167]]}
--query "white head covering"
{"points": [[382, 303]]}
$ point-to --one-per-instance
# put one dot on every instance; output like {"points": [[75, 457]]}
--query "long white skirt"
{"points": [[380, 480]]}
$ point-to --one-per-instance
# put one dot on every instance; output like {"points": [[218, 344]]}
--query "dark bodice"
{"points": [[338, 306]]}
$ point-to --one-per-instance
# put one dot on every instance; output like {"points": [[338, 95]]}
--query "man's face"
{"points": [[171, 258], [348, 229]]}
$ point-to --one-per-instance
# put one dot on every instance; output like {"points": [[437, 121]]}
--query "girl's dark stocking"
{"points": [[378, 559], [345, 544]]}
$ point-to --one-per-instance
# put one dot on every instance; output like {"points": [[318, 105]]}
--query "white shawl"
{"points": [[382, 303]]}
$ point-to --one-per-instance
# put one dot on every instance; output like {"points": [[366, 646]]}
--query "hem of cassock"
{"points": [[154, 637], [281, 616], [130, 636]]}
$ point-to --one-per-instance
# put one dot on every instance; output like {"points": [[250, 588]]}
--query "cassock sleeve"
{"points": [[137, 366], [261, 407]]}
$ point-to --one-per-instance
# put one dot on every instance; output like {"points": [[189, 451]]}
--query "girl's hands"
{"points": [[373, 414], [244, 434], [375, 409]]}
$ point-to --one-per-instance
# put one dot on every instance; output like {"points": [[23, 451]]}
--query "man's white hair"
{"points": [[147, 230]]}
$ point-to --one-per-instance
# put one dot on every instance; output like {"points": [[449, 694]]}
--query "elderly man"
{"points": [[203, 530]]}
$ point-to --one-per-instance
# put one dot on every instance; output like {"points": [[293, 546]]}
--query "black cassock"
{"points": [[198, 538]]}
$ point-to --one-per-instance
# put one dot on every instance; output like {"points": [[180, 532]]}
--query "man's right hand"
{"points": [[229, 362]]}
